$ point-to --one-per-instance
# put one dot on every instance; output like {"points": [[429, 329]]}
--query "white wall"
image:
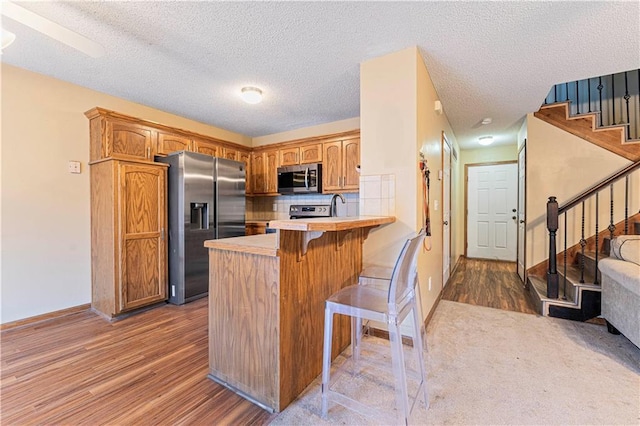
{"points": [[45, 211], [397, 121], [562, 165]]}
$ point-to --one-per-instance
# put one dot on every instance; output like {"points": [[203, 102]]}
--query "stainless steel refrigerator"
{"points": [[206, 201]]}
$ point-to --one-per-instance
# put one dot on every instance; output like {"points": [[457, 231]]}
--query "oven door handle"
{"points": [[306, 178]]}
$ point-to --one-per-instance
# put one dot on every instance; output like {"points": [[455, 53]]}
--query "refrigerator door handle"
{"points": [[306, 178]]}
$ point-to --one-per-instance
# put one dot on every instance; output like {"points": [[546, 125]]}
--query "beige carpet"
{"points": [[487, 366]]}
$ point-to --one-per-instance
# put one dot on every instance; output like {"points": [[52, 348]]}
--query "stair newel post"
{"points": [[595, 272], [564, 259], [611, 226], [583, 244], [552, 226]]}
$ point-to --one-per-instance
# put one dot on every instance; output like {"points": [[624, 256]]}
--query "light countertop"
{"points": [[330, 223], [264, 244]]}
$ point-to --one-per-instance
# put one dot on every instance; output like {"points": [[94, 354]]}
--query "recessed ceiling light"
{"points": [[485, 140], [251, 95], [487, 120]]}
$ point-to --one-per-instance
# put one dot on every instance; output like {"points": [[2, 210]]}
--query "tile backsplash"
{"points": [[378, 195], [267, 208]]}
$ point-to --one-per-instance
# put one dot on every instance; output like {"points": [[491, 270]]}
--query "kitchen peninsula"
{"points": [[266, 303]]}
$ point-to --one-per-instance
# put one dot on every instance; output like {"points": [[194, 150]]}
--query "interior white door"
{"points": [[521, 211], [446, 211], [491, 216]]}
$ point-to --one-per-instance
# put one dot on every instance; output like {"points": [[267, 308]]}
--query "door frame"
{"points": [[444, 140], [524, 215], [466, 195]]}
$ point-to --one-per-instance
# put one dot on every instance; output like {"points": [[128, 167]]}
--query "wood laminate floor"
{"points": [[150, 368], [490, 283]]}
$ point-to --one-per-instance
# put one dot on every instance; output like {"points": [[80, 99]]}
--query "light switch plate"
{"points": [[74, 166]]}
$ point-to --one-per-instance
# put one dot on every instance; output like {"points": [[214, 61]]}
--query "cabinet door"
{"points": [[230, 154], [209, 148], [128, 141], [289, 156], [331, 166], [245, 157], [350, 160], [142, 235], [168, 143], [258, 183], [271, 171], [311, 154]]}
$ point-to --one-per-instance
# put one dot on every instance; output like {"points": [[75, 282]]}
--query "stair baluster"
{"points": [[595, 272], [626, 205], [589, 92], [583, 244], [566, 89], [564, 259], [612, 226], [600, 87], [552, 226], [577, 97], [613, 99], [626, 98]]}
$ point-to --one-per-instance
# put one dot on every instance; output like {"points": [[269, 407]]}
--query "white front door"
{"points": [[491, 218], [446, 210], [521, 211]]}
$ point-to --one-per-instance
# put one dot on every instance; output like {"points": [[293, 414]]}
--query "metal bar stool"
{"points": [[391, 306]]}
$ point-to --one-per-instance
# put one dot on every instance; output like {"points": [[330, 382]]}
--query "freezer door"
{"points": [[198, 222], [230, 198]]}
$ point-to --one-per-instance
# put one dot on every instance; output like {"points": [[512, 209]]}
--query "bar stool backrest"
{"points": [[404, 276]]}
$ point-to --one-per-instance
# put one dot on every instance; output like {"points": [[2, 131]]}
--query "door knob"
{"points": [[513, 217], [522, 221], [446, 222], [513, 210]]}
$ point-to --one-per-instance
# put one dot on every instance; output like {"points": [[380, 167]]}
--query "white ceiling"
{"points": [[486, 59]]}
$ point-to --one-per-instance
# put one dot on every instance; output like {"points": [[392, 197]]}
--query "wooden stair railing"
{"points": [[554, 212]]}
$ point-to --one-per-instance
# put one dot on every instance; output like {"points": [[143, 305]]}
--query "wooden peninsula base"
{"points": [[266, 304]]}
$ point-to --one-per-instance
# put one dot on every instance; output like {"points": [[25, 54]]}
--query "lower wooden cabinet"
{"points": [[128, 235]]}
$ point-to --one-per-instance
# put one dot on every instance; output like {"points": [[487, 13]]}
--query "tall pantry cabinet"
{"points": [[128, 218]]}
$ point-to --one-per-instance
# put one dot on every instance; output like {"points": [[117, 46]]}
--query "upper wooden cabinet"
{"points": [[230, 154], [264, 169], [301, 155], [114, 138], [289, 156], [311, 153], [245, 157], [168, 143], [207, 147], [339, 163]]}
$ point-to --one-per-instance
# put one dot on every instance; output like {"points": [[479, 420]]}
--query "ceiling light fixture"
{"points": [[487, 120], [485, 140], [7, 38], [251, 95]]}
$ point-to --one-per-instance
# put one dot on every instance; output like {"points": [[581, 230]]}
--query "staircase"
{"points": [[567, 284], [579, 294]]}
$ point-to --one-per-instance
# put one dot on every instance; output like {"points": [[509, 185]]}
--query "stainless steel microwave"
{"points": [[302, 179]]}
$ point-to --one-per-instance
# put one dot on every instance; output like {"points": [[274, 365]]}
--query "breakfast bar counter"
{"points": [[266, 303]]}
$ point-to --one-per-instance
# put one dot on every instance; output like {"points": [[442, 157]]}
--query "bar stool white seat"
{"points": [[390, 306]]}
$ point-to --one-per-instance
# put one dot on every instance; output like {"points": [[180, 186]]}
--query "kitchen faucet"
{"points": [[334, 210]]}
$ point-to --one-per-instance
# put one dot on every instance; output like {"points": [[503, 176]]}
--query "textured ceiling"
{"points": [[486, 59]]}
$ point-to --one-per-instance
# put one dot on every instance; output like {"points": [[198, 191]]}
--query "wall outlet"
{"points": [[429, 283], [74, 166], [275, 207]]}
